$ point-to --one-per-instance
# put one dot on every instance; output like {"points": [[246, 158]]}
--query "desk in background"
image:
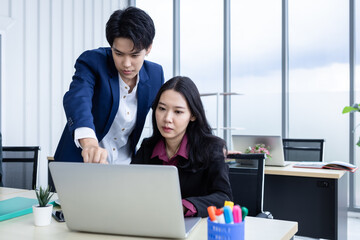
{"points": [[6, 193], [23, 227], [315, 198]]}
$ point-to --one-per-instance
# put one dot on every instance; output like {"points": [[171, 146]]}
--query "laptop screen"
{"points": [[141, 200], [272, 143]]}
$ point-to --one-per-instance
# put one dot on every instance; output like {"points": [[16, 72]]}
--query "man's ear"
{"points": [[148, 50]]}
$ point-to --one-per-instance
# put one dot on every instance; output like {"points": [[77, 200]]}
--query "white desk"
{"points": [[6, 193], [23, 227], [289, 170]]}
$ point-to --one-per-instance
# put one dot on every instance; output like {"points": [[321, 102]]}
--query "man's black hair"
{"points": [[132, 23]]}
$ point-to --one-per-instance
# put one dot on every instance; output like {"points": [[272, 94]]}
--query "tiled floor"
{"points": [[353, 228]]}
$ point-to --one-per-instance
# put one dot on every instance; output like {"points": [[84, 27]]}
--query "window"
{"points": [[161, 13], [319, 73], [162, 49], [201, 46], [356, 188], [256, 66]]}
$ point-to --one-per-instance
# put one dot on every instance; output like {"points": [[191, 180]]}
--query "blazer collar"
{"points": [[143, 93], [110, 61], [115, 91]]}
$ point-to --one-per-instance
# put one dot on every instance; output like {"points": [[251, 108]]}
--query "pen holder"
{"points": [[221, 231]]}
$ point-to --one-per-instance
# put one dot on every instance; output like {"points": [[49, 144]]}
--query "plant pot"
{"points": [[42, 215]]}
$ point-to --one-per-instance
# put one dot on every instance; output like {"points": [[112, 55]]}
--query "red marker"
{"points": [[220, 215]]}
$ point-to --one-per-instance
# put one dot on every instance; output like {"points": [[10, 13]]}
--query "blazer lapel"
{"points": [[115, 92], [143, 97]]}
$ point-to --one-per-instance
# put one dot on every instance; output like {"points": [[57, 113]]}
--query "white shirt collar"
{"points": [[123, 85]]}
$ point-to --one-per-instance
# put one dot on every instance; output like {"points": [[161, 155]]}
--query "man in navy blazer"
{"points": [[111, 93]]}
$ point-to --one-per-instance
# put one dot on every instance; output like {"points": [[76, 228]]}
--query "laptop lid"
{"points": [[141, 200], [243, 142]]}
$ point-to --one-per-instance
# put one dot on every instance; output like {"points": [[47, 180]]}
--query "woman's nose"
{"points": [[168, 117]]}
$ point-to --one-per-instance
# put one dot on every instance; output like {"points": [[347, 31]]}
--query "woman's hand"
{"points": [[226, 153], [233, 152]]}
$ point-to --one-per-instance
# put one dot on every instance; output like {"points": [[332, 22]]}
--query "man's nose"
{"points": [[127, 61]]}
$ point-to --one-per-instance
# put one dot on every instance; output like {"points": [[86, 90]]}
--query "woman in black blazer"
{"points": [[182, 137]]}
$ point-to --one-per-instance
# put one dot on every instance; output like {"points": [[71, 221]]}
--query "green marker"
{"points": [[244, 212]]}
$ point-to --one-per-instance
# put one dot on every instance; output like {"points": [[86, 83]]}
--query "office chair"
{"points": [[246, 176], [50, 179], [304, 149], [20, 167]]}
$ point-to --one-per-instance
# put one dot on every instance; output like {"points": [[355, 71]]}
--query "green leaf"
{"points": [[43, 196], [348, 109], [358, 143]]}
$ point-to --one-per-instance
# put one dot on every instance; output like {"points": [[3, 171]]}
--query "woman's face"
{"points": [[172, 116]]}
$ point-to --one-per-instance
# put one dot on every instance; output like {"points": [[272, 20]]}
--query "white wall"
{"points": [[39, 51]]}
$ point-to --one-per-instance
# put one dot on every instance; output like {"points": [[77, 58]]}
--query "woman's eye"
{"points": [[178, 112], [161, 108]]}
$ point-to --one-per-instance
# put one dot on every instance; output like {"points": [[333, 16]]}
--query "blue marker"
{"points": [[228, 215]]}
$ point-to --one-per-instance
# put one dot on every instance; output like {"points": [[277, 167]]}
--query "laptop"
{"points": [[139, 200], [273, 143]]}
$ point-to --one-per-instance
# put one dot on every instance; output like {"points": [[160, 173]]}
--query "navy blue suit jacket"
{"points": [[93, 99]]}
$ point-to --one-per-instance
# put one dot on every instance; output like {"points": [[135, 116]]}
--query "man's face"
{"points": [[128, 61]]}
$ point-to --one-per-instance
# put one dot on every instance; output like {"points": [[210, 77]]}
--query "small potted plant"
{"points": [[42, 211], [259, 148]]}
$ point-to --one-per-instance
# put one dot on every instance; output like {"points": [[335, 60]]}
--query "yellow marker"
{"points": [[229, 203]]}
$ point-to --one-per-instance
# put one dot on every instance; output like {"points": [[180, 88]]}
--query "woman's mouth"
{"points": [[166, 129], [127, 72]]}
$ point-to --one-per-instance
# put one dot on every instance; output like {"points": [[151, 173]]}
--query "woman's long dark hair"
{"points": [[202, 144]]}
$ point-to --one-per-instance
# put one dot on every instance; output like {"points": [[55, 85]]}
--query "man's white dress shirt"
{"points": [[116, 140]]}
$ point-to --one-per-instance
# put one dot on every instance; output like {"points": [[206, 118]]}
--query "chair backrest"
{"points": [[20, 166], [304, 149], [50, 179], [247, 181]]}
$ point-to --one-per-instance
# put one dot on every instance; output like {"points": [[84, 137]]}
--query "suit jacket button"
{"points": [[70, 122]]}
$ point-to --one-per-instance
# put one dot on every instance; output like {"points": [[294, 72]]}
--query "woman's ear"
{"points": [[192, 118]]}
